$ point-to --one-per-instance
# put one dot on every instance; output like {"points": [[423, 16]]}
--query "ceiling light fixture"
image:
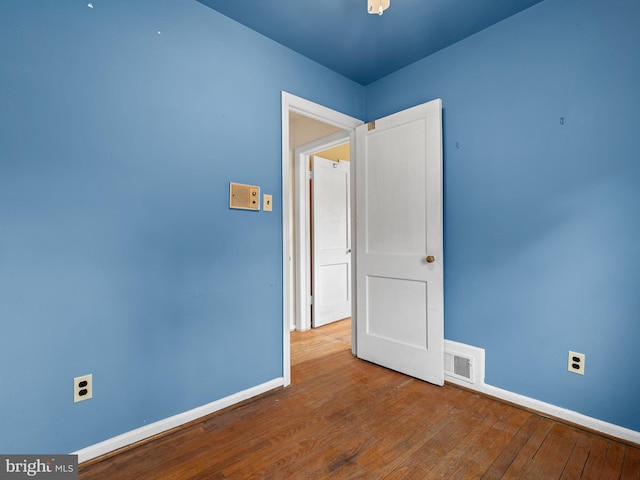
{"points": [[377, 6]]}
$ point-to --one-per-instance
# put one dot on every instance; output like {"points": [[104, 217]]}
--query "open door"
{"points": [[331, 241], [399, 264]]}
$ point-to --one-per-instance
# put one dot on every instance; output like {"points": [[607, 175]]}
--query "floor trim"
{"points": [[169, 423], [567, 416], [142, 433]]}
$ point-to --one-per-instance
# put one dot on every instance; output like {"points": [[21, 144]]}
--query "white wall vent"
{"points": [[458, 365], [463, 364]]}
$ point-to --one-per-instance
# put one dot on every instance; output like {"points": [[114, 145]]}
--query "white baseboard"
{"points": [[160, 426], [555, 411], [155, 428]]}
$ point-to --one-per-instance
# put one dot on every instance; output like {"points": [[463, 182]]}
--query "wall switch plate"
{"points": [[576, 362], [267, 203], [82, 388]]}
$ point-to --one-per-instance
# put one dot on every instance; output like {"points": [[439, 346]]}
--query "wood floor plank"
{"points": [[593, 467], [433, 452], [343, 418], [631, 464], [577, 459], [492, 444], [552, 456], [410, 434], [459, 457], [512, 448], [612, 467]]}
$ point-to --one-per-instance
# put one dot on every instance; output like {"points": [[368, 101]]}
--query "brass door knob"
{"points": [[430, 259]]}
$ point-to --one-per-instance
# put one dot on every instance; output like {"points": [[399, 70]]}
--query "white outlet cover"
{"points": [[580, 362], [77, 388]]}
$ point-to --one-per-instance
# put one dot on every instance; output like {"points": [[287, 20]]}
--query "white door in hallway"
{"points": [[331, 241], [399, 264]]}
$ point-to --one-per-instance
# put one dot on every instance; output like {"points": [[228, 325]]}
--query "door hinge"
{"points": [[310, 299], [309, 175], [371, 126]]}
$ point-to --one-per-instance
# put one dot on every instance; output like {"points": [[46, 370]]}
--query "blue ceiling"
{"points": [[342, 36]]}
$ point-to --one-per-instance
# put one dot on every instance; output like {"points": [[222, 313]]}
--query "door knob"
{"points": [[430, 259]]}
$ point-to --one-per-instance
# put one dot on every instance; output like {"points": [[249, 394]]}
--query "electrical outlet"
{"points": [[82, 388], [576, 362]]}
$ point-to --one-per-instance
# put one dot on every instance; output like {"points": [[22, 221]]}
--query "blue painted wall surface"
{"points": [[542, 198], [121, 127]]}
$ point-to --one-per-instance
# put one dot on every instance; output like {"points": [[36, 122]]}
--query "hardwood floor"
{"points": [[343, 418]]}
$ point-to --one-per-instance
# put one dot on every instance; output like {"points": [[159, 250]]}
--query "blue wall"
{"points": [[119, 255], [542, 198]]}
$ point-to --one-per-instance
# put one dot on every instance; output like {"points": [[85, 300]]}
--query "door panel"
{"points": [[387, 231], [331, 241], [335, 283], [400, 322], [398, 312]]}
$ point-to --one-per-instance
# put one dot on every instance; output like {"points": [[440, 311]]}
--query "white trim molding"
{"points": [[558, 412], [142, 433], [477, 384], [564, 414]]}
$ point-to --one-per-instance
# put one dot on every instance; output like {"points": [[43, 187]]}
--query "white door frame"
{"points": [[292, 103], [302, 208]]}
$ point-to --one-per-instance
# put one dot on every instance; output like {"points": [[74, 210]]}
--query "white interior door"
{"points": [[399, 263], [331, 241]]}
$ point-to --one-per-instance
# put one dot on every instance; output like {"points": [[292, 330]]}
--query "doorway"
{"points": [[333, 127], [321, 294], [401, 152]]}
